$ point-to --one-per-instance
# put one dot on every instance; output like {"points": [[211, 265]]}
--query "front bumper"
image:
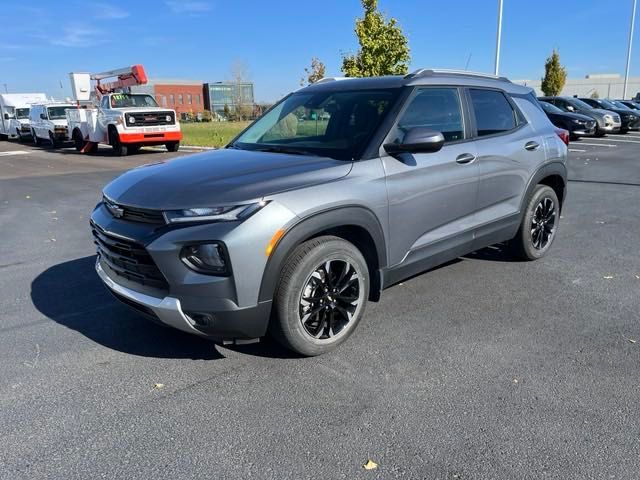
{"points": [[610, 127], [150, 137]]}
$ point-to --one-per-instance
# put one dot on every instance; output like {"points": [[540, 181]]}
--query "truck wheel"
{"points": [[78, 140], [20, 137], [539, 224], [119, 149], [321, 297], [52, 140], [172, 146], [36, 140]]}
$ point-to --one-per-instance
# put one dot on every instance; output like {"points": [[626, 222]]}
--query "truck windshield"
{"points": [[58, 113], [128, 100], [22, 113], [333, 124]]}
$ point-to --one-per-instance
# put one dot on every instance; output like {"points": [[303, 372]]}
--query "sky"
{"points": [[42, 41]]}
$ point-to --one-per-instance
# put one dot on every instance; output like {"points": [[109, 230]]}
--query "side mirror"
{"points": [[43, 116], [6, 116], [417, 140], [570, 108]]}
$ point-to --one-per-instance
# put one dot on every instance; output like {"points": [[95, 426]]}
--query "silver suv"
{"points": [[342, 189]]}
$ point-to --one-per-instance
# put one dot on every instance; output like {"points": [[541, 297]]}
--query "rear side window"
{"points": [[494, 114], [437, 109]]}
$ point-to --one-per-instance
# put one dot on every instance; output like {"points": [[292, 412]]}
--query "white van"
{"points": [[49, 123], [14, 113]]}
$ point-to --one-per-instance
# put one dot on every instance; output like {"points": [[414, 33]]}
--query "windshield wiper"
{"points": [[282, 149]]}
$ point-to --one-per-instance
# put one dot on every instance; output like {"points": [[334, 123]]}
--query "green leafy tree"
{"points": [[595, 94], [555, 75], [314, 73], [384, 50], [226, 111]]}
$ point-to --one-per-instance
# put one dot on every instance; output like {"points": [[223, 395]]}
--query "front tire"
{"points": [[78, 140], [36, 140], [172, 146], [52, 140], [539, 224], [321, 297], [119, 149]]}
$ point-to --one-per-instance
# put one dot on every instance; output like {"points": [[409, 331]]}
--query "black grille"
{"points": [[150, 119], [134, 214], [127, 259]]}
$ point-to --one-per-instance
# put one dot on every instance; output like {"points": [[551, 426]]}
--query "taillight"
{"points": [[564, 135]]}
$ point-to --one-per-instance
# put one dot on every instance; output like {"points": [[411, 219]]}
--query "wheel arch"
{"points": [[552, 174], [356, 224]]}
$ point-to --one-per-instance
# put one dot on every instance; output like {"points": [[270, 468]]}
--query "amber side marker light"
{"points": [[274, 241]]}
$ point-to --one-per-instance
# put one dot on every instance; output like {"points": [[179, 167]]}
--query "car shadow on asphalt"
{"points": [[495, 253], [72, 295]]}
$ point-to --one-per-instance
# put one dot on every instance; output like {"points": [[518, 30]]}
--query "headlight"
{"points": [[132, 119], [213, 214], [206, 258], [608, 117], [168, 118], [579, 122]]}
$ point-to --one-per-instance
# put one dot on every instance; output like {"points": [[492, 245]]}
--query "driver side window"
{"points": [[437, 109]]}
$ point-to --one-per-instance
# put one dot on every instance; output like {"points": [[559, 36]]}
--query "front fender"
{"points": [[308, 227]]}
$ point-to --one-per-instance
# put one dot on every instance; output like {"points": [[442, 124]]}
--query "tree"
{"points": [[595, 94], [555, 75], [240, 76], [384, 50], [226, 112], [314, 73]]}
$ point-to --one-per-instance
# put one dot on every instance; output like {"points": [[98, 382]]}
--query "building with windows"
{"points": [[219, 94], [184, 96]]}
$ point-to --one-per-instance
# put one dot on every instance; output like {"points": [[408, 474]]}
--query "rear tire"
{"points": [[321, 296], [172, 146], [78, 140], [539, 225]]}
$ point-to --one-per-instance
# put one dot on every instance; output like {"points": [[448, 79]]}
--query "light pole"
{"points": [[626, 73], [498, 37]]}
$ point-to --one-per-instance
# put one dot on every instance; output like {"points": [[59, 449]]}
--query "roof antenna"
{"points": [[466, 65]]}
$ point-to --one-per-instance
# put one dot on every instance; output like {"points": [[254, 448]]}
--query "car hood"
{"points": [[222, 177], [601, 112], [572, 116], [141, 110]]}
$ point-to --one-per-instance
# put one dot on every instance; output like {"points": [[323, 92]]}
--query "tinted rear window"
{"points": [[493, 112]]}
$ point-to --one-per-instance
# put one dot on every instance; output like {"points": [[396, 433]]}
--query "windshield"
{"points": [[580, 104], [22, 113], [126, 100], [58, 113], [549, 108], [619, 105], [606, 104], [331, 124]]}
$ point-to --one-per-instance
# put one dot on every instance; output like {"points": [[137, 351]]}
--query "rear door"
{"points": [[509, 150], [432, 196]]}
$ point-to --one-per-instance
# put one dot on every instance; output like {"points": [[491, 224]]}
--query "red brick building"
{"points": [[184, 96]]}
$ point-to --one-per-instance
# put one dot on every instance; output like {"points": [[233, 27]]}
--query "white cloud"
{"points": [[188, 6], [77, 37], [109, 12]]}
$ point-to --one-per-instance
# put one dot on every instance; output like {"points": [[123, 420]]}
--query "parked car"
{"points": [[49, 123], [629, 120], [576, 124], [606, 121], [629, 104], [291, 231], [14, 113]]}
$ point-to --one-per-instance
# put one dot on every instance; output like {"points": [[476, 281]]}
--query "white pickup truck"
{"points": [[126, 121]]}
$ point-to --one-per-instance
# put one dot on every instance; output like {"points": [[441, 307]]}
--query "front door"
{"points": [[432, 196]]}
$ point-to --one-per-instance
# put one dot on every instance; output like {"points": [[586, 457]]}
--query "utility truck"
{"points": [[117, 117], [14, 113]]}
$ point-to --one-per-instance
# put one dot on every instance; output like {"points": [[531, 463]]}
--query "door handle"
{"points": [[465, 158], [531, 146]]}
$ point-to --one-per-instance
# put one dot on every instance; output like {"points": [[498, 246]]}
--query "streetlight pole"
{"points": [[626, 73], [498, 38]]}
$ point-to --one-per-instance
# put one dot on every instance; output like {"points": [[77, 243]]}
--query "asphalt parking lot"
{"points": [[483, 368]]}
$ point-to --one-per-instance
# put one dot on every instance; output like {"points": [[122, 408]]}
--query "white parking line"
{"points": [[13, 152], [576, 150], [598, 144], [619, 140]]}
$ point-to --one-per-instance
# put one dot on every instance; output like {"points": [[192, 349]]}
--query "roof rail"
{"points": [[330, 79], [428, 72]]}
